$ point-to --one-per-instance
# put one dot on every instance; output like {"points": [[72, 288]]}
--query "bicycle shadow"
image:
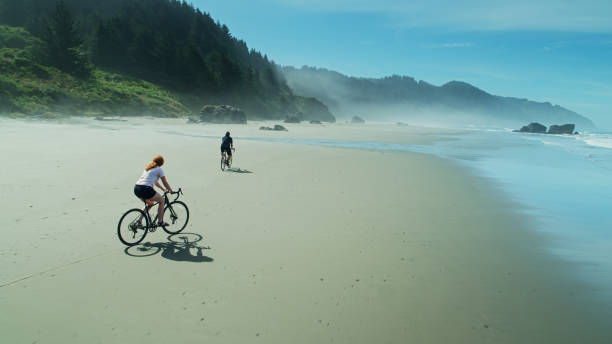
{"points": [[237, 170], [178, 248]]}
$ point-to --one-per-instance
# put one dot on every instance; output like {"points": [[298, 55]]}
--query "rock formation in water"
{"points": [[538, 128], [533, 127], [561, 129]]}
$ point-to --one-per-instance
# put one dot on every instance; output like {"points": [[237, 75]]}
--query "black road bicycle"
{"points": [[136, 223], [226, 161]]}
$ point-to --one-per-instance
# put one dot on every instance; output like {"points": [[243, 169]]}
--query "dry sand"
{"points": [[299, 244]]}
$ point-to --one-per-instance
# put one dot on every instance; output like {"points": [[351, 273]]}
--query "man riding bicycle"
{"points": [[227, 146]]}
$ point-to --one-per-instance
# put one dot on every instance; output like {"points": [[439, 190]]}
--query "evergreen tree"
{"points": [[109, 48], [271, 78], [167, 42], [12, 11], [61, 43], [232, 75]]}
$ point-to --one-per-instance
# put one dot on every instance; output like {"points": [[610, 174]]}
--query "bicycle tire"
{"points": [[192, 238], [176, 214], [142, 251], [132, 227]]}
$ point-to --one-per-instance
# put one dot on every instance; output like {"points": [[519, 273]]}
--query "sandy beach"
{"points": [[295, 244]]}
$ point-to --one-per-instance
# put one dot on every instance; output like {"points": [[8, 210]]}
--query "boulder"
{"points": [[109, 119], [276, 127], [554, 129], [221, 114], [315, 122], [534, 127], [561, 129], [357, 120]]}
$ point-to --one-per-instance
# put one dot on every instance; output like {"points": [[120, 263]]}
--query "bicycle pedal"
{"points": [[151, 230]]}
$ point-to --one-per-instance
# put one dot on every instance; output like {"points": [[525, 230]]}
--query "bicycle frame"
{"points": [[153, 224]]}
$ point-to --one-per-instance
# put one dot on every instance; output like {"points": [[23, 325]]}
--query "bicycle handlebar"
{"points": [[178, 193]]}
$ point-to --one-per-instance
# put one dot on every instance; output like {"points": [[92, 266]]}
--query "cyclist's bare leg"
{"points": [[148, 205], [160, 207]]}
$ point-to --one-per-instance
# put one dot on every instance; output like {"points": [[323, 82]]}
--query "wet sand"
{"points": [[296, 244]]}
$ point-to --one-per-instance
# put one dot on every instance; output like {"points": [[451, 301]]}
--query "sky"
{"points": [[558, 51]]}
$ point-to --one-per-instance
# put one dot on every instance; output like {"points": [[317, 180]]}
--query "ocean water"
{"points": [[563, 182]]}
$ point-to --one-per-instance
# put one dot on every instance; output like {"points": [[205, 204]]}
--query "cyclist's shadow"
{"points": [[179, 247], [238, 170]]}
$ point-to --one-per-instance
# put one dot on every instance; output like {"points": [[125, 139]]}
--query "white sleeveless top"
{"points": [[150, 177]]}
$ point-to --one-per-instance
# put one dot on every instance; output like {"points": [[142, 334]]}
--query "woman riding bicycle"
{"points": [[144, 186], [227, 145]]}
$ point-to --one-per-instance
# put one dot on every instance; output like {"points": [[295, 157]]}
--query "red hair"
{"points": [[157, 161]]}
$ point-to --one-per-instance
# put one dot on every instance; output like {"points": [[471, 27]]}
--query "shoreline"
{"points": [[315, 243], [586, 257]]}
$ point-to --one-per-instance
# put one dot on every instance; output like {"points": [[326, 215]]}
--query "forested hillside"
{"points": [[166, 43]]}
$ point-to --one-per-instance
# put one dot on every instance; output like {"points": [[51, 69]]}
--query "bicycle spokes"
{"points": [[178, 214], [173, 216], [132, 227]]}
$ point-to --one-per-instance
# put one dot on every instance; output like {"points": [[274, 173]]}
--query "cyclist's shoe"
{"points": [[162, 223]]}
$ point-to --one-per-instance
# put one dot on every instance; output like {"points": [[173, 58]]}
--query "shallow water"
{"points": [[564, 182]]}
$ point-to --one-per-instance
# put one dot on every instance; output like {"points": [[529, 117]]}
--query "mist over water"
{"points": [[404, 99], [430, 116]]}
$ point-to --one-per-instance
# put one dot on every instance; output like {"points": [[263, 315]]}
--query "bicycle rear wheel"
{"points": [[132, 227], [176, 215]]}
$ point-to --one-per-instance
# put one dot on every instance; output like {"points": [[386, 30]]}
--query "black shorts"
{"points": [[144, 191], [228, 150]]}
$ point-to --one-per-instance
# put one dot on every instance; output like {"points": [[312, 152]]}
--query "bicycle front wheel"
{"points": [[132, 227], [176, 215]]}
